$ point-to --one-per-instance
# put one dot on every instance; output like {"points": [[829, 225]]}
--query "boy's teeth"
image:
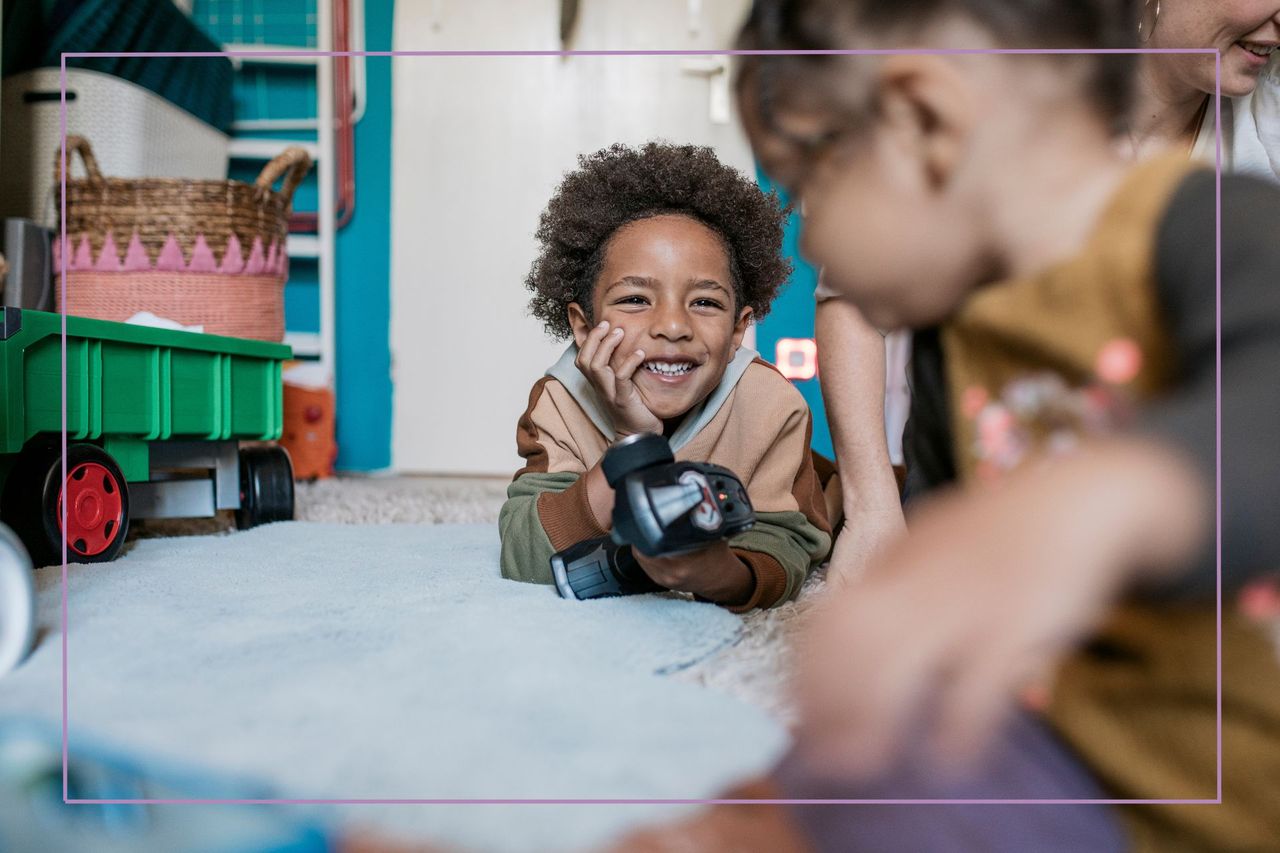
{"points": [[668, 368]]}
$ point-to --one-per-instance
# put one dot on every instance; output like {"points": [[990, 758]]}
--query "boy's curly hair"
{"points": [[618, 185]]}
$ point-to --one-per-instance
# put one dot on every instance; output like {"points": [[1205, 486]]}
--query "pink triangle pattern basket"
{"points": [[201, 252]]}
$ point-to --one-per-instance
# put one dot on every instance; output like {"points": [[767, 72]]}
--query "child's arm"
{"points": [[781, 550], [853, 387], [545, 513], [715, 573], [554, 501], [760, 568], [992, 586]]}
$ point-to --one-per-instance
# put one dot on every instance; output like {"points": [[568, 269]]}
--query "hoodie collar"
{"points": [[584, 393]]}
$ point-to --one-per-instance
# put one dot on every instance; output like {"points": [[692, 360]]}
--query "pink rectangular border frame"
{"points": [[1217, 105]]}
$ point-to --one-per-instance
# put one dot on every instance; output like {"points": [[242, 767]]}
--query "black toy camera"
{"points": [[661, 508]]}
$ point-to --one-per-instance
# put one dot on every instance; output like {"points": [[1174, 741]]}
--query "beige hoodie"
{"points": [[755, 423]]}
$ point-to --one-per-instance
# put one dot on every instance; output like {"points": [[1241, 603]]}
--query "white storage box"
{"points": [[135, 132]]}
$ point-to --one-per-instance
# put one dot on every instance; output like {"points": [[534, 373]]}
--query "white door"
{"points": [[479, 146]]}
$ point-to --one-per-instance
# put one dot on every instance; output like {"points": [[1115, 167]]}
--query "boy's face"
{"points": [[666, 283]]}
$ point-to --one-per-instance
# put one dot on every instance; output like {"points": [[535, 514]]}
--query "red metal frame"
{"points": [[346, 140]]}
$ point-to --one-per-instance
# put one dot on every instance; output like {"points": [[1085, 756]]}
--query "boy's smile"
{"points": [[666, 284]]}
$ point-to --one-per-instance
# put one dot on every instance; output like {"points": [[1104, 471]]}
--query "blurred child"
{"points": [[654, 260], [1064, 392]]}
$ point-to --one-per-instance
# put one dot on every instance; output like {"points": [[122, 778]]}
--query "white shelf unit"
{"points": [[254, 148], [303, 246], [319, 247]]}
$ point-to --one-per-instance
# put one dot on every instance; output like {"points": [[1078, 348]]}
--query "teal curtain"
{"points": [[38, 32]]}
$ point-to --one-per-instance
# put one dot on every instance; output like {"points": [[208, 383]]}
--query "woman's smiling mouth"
{"points": [[1256, 54], [1258, 48]]}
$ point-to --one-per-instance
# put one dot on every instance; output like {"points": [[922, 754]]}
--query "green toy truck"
{"points": [[154, 423]]}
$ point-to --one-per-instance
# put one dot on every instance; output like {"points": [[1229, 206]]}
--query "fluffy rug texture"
{"points": [[754, 669], [342, 661]]}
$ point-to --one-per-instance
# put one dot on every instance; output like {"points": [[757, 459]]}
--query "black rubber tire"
{"points": [[30, 502], [266, 487], [635, 453]]}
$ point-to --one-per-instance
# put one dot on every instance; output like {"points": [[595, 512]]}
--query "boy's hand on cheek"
{"points": [[712, 572], [611, 372]]}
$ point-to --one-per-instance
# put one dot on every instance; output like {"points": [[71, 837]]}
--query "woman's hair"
{"points": [[619, 185], [771, 82]]}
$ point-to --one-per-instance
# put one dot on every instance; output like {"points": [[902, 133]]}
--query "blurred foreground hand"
{"points": [[992, 586]]}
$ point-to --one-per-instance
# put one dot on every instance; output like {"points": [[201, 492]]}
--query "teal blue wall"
{"points": [[364, 272], [792, 317]]}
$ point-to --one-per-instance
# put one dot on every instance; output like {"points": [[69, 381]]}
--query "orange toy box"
{"points": [[309, 418]]}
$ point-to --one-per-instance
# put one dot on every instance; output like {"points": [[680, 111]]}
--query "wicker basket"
{"points": [[200, 252]]}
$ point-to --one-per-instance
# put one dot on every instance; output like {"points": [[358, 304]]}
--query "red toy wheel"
{"points": [[94, 491], [95, 511]]}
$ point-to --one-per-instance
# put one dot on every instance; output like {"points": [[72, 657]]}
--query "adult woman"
{"points": [[1175, 91]]}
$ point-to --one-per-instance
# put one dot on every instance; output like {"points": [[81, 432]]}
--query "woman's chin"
{"points": [[1240, 73], [1239, 84]]}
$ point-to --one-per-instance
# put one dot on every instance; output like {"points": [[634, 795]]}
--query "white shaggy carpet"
{"points": [[754, 669], [393, 661]]}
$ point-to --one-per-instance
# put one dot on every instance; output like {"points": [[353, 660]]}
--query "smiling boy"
{"points": [[654, 260]]}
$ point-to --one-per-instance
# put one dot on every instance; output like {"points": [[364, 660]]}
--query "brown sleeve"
{"points": [[527, 444], [567, 517], [770, 580], [806, 488]]}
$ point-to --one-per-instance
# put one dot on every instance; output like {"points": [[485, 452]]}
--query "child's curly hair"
{"points": [[618, 185]]}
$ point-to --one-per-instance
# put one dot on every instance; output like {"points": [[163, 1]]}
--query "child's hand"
{"points": [[612, 378], [712, 572], [982, 598]]}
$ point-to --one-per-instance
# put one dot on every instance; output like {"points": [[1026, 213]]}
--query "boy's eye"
{"points": [[707, 303], [632, 300]]}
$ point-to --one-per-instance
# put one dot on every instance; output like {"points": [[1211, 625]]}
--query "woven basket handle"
{"points": [[293, 163], [80, 145]]}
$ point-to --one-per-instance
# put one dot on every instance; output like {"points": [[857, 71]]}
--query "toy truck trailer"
{"points": [[155, 418]]}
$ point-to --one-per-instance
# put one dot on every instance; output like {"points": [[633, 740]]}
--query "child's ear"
{"points": [[928, 109], [579, 323], [740, 327]]}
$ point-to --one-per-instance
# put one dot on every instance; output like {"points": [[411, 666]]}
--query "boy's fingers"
{"points": [[603, 357], [588, 349], [629, 366]]}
